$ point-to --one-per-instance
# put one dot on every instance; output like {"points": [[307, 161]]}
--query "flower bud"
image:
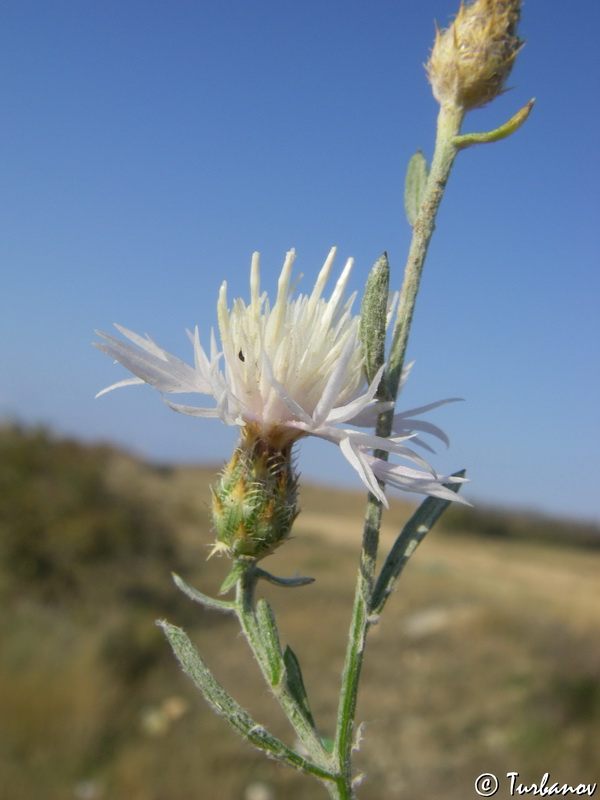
{"points": [[472, 59], [373, 317], [254, 503]]}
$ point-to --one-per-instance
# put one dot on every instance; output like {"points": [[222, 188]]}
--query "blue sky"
{"points": [[148, 148]]}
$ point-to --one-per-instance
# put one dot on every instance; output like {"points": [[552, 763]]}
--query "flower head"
{"points": [[472, 59], [287, 371]]}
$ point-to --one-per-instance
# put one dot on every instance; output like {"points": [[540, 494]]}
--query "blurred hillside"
{"points": [[487, 659]]}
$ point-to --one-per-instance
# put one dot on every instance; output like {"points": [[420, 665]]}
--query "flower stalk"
{"points": [[469, 86], [363, 615]]}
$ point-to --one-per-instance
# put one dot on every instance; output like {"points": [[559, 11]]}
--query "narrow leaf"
{"points": [[203, 599], [237, 570], [513, 124], [295, 683], [284, 582], [269, 634], [224, 705], [414, 187], [406, 543]]}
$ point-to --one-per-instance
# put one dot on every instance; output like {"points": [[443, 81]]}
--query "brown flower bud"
{"points": [[472, 59]]}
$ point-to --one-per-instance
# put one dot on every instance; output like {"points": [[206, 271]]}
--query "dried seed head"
{"points": [[472, 59]]}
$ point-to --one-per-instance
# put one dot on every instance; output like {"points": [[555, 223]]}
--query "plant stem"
{"points": [[448, 126], [261, 632]]}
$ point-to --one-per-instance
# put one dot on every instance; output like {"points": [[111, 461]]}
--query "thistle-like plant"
{"points": [[307, 366]]}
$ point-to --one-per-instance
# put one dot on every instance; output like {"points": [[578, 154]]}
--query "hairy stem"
{"points": [[449, 122], [258, 623], [448, 126]]}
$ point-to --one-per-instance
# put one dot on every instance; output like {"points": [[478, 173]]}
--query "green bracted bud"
{"points": [[373, 317], [254, 503]]}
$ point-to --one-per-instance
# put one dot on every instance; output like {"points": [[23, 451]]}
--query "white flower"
{"points": [[289, 371]]}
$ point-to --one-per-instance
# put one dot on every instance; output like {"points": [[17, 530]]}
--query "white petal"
{"points": [[146, 343], [274, 326], [320, 283], [165, 372], [126, 382], [201, 361], [192, 411], [352, 410], [362, 466], [337, 294], [411, 480], [411, 412], [333, 386], [294, 407], [424, 427], [367, 418]]}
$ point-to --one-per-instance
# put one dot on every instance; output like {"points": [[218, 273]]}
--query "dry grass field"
{"points": [[487, 658]]}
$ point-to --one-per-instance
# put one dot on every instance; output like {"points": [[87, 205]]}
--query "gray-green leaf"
{"points": [[414, 188], [203, 599], [223, 704], [409, 538], [270, 639]]}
